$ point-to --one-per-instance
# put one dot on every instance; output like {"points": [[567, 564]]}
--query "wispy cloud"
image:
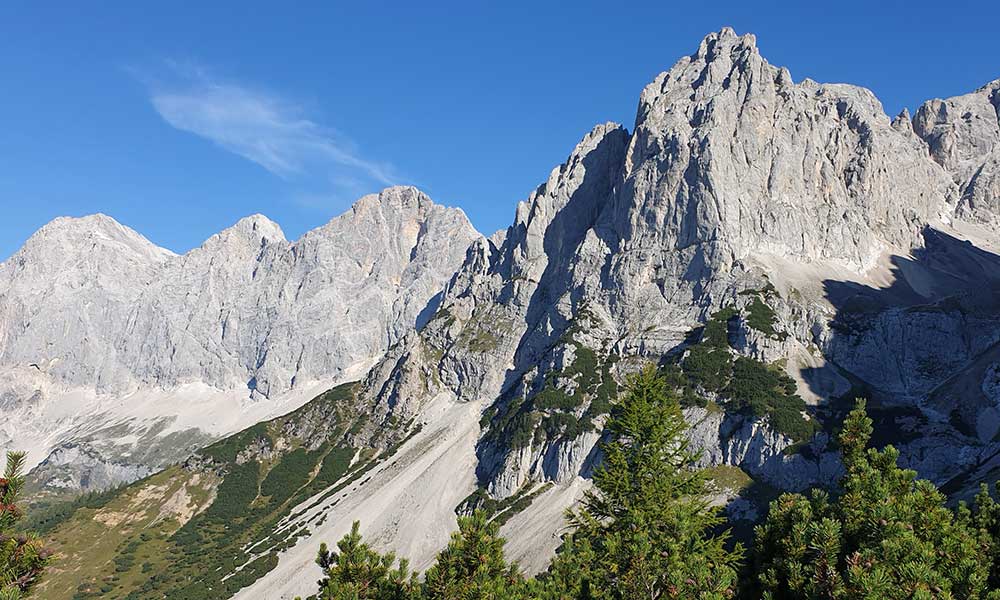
{"points": [[268, 129]]}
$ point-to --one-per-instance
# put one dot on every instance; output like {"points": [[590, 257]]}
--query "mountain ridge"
{"points": [[93, 308]]}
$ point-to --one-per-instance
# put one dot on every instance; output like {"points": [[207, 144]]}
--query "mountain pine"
{"points": [[357, 572], [986, 519], [22, 557], [645, 530], [473, 567], [888, 535]]}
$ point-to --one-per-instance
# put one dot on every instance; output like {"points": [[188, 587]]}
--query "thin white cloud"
{"points": [[262, 127]]}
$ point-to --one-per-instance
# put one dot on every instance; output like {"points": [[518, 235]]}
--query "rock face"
{"points": [[732, 168], [66, 292], [91, 305], [731, 158], [246, 308], [963, 135]]}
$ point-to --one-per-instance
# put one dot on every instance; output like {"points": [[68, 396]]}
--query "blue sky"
{"points": [[178, 118]]}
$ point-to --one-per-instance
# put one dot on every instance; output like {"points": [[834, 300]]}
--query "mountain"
{"points": [[778, 247], [118, 357]]}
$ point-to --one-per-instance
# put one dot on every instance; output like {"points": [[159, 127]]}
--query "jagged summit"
{"points": [[243, 240], [731, 157], [718, 44], [93, 222], [993, 89], [397, 196], [963, 136], [399, 199]]}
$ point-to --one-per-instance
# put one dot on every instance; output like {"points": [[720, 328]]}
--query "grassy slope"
{"points": [[206, 532], [90, 541]]}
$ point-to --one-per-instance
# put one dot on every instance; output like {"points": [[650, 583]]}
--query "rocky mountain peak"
{"points": [[244, 309], [245, 240], [68, 238], [718, 43], [399, 198], [903, 122], [261, 226], [992, 89], [961, 129], [731, 158], [97, 222], [731, 164], [962, 134], [544, 230]]}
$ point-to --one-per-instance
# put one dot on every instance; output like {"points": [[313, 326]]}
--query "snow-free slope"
{"points": [[106, 340]]}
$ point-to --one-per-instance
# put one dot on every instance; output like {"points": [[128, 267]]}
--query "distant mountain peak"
{"points": [[95, 224], [394, 198], [88, 237], [261, 225], [254, 231]]}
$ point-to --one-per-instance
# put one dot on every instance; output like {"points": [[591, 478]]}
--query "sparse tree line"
{"points": [[645, 531]]}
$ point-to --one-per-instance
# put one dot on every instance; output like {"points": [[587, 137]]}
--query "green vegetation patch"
{"points": [[761, 317], [565, 407], [728, 477], [742, 384], [226, 450], [228, 539], [45, 518], [500, 511]]}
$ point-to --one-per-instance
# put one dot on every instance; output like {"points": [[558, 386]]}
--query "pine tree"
{"points": [[887, 535], [473, 567], [986, 520], [357, 572], [22, 557], [570, 575], [646, 527]]}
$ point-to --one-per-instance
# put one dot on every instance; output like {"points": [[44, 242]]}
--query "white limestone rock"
{"points": [[94, 308], [730, 161], [963, 136]]}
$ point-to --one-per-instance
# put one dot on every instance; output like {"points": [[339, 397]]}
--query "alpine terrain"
{"points": [[118, 358], [778, 247]]}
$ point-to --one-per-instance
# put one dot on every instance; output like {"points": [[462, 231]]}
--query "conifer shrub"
{"points": [[885, 534], [645, 530], [23, 558]]}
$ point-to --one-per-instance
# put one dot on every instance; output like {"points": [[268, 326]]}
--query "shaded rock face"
{"points": [[106, 339], [754, 447], [732, 168]]}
